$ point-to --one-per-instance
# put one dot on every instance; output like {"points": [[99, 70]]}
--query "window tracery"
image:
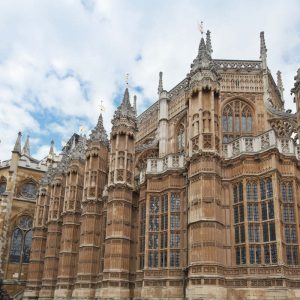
{"points": [[21, 241], [289, 223], [237, 120], [261, 237], [2, 185], [29, 190], [181, 138]]}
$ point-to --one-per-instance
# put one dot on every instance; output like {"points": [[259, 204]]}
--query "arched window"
{"points": [[237, 119], [2, 185], [21, 241], [180, 138], [29, 190]]}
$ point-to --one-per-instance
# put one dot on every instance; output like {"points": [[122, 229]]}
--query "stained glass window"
{"points": [[16, 246], [21, 239], [29, 190], [180, 138], [236, 120], [2, 186]]}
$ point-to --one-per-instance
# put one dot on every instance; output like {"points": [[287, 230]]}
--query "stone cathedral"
{"points": [[196, 198]]}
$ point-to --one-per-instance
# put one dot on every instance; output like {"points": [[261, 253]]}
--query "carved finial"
{"points": [[208, 42], [81, 130], [200, 27], [26, 148], [280, 84], [102, 107], [160, 83], [51, 151], [17, 147], [126, 79]]}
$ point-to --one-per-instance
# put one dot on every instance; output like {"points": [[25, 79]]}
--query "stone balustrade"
{"points": [[162, 164], [259, 144]]}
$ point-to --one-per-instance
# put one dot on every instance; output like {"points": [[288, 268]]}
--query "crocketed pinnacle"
{"points": [[297, 82], [208, 42], [99, 132], [160, 83], [280, 84], [26, 148], [203, 59], [17, 147], [51, 151], [125, 110], [263, 48], [78, 152]]}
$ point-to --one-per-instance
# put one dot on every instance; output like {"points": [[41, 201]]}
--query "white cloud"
{"points": [[98, 41]]}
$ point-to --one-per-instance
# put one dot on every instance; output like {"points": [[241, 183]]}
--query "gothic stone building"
{"points": [[19, 181], [196, 198]]}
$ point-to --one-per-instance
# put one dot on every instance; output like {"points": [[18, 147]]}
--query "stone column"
{"points": [[39, 237], [69, 243], [92, 227], [53, 238]]}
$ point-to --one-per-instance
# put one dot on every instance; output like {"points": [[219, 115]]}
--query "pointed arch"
{"points": [[3, 184], [237, 119]]}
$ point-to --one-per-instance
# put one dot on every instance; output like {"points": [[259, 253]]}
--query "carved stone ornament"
{"points": [[283, 128]]}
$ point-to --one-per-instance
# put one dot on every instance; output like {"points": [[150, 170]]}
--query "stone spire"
{"points": [[134, 103], [160, 83], [263, 50], [279, 84], [203, 61], [208, 42], [17, 147], [78, 152], [26, 148], [51, 151], [99, 133], [125, 110]]}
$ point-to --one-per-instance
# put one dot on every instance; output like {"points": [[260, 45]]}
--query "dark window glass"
{"points": [[2, 187], [265, 232], [16, 246], [271, 210], [236, 214], [263, 189], [264, 211], [272, 232], [241, 213], [27, 246], [267, 254], [237, 234], [29, 190]]}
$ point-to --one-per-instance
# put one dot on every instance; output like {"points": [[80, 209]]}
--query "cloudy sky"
{"points": [[60, 58]]}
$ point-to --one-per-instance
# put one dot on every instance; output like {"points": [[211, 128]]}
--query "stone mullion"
{"points": [[200, 99], [277, 218], [147, 231], [213, 134], [246, 222], [296, 213]]}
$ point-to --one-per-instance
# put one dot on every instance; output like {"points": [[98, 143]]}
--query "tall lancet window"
{"points": [[180, 138], [237, 120], [21, 241]]}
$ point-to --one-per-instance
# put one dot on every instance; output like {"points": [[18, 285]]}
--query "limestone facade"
{"points": [[196, 198]]}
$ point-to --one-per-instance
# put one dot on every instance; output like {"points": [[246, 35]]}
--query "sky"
{"points": [[60, 58]]}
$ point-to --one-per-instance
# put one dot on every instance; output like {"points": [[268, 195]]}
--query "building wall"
{"points": [[196, 199]]}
